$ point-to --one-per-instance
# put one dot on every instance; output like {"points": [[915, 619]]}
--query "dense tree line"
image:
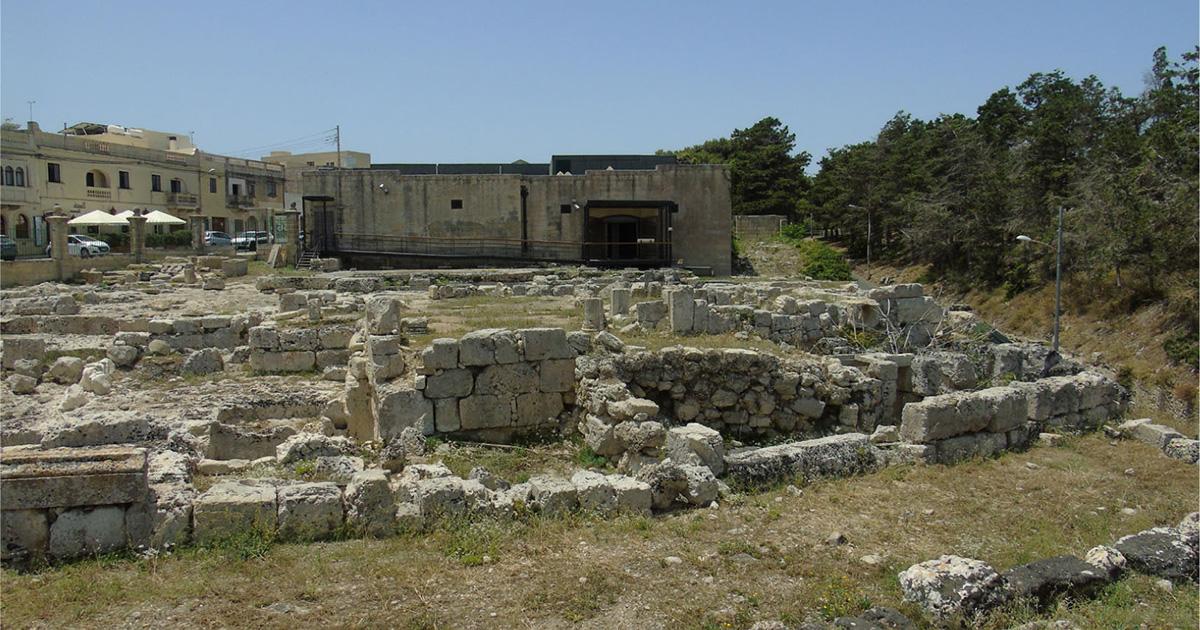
{"points": [[955, 191]]}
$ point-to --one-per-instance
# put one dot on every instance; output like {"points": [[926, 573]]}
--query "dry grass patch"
{"points": [[757, 557]]}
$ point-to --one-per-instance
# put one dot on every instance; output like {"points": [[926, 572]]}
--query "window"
{"points": [[8, 176], [250, 189], [20, 181], [270, 189], [235, 189], [311, 163], [212, 184], [96, 179], [156, 183], [123, 179], [456, 204], [53, 172], [22, 226], [565, 208], [176, 185]]}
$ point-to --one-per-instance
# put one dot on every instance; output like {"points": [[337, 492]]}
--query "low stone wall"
{"points": [[299, 349], [734, 391], [960, 425], [346, 284], [15, 273]]}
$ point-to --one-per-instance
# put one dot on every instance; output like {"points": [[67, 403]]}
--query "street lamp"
{"points": [[1057, 274], [850, 205]]}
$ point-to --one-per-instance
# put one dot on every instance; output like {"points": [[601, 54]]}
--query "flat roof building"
{"points": [[619, 211]]}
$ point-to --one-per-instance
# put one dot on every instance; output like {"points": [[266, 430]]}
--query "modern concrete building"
{"points": [[297, 164], [631, 211], [92, 166]]}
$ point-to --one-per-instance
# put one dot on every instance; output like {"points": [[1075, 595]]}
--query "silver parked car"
{"points": [[217, 238]]}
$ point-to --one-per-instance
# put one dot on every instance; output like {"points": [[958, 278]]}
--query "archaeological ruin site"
{"points": [[182, 404]]}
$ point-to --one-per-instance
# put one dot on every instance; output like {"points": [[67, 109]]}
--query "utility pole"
{"points": [[31, 109]]}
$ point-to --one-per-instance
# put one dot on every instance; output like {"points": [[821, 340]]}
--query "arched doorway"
{"points": [[22, 227]]}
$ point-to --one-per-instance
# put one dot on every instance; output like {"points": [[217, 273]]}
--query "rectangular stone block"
{"points": [[234, 507], [482, 411], [556, 375], [293, 361], [234, 267], [477, 348], [70, 477], [537, 408], [681, 308], [454, 383], [397, 408], [442, 354], [545, 343], [445, 414]]}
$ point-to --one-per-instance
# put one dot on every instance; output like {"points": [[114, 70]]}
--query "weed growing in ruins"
{"points": [[246, 544], [588, 458]]}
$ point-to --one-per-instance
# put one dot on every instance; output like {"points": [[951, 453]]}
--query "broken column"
{"points": [[621, 298], [137, 237], [681, 309], [593, 314]]}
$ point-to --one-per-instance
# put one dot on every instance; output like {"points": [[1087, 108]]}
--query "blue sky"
{"points": [[498, 81]]}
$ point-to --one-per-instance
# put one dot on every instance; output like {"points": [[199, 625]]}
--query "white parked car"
{"points": [[84, 246]]}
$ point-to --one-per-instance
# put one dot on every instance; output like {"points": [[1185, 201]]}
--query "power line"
{"points": [[325, 136]]}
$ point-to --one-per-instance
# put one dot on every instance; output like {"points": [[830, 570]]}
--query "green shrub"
{"points": [[822, 262], [176, 238], [793, 232], [1183, 349]]}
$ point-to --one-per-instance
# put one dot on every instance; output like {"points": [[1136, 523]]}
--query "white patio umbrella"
{"points": [[156, 217], [98, 217]]}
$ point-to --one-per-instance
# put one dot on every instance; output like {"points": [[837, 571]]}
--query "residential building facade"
{"points": [[91, 166]]}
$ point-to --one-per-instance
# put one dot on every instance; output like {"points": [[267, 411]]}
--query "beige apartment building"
{"points": [[92, 166]]}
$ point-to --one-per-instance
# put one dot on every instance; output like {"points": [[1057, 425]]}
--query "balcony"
{"points": [[183, 200], [239, 201], [17, 194], [99, 193]]}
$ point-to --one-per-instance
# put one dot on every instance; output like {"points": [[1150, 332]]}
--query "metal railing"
{"points": [[459, 247], [99, 193], [183, 199], [239, 201], [27, 249]]}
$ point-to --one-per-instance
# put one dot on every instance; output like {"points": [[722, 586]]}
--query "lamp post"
{"points": [[850, 205], [1057, 273]]}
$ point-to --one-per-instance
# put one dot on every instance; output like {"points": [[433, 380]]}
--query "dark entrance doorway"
{"points": [[627, 233], [320, 225], [621, 235]]}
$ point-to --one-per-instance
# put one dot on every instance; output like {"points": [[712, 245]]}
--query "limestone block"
{"points": [[263, 337], [681, 309], [234, 267], [595, 492], [335, 337], [485, 411], [326, 359], [17, 348], [298, 339], [507, 380], [171, 516], [952, 586], [87, 531], [70, 477], [538, 408], [370, 504], [454, 383], [1156, 435], [291, 361], [231, 508], [696, 444], [832, 456], [556, 375], [620, 299], [630, 407], [24, 536], [552, 495], [446, 415], [982, 444], [440, 497], [201, 362], [478, 347], [1008, 407], [545, 343], [383, 314], [442, 354], [66, 370], [309, 511], [632, 496], [305, 446], [593, 314], [396, 408]]}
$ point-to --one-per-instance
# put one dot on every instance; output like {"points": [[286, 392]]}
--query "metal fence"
{"points": [[643, 252], [28, 249]]}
